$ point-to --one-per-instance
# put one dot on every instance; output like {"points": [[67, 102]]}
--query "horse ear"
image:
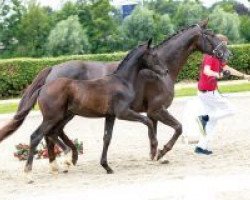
{"points": [[149, 42], [203, 24]]}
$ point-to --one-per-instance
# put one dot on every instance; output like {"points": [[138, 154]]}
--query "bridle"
{"points": [[216, 51]]}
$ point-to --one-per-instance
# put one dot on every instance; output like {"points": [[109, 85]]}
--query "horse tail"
{"points": [[27, 102]]}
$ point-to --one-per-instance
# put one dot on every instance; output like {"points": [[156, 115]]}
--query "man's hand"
{"points": [[246, 77], [219, 75]]}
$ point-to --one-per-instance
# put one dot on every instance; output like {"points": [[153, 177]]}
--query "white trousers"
{"points": [[216, 107]]}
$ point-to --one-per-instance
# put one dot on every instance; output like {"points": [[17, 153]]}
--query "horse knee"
{"points": [[178, 129]]}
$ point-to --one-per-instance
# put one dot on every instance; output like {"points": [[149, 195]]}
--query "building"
{"points": [[126, 6]]}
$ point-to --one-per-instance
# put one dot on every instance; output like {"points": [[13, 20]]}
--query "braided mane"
{"points": [[174, 35], [128, 56]]}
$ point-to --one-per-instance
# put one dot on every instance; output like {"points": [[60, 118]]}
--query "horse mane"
{"points": [[128, 56], [174, 35]]}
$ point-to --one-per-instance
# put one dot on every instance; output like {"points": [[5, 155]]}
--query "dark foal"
{"points": [[109, 97]]}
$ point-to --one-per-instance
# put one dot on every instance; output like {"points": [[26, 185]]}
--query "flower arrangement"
{"points": [[22, 150]]}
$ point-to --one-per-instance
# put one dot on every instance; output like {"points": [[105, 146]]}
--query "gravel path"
{"points": [[225, 175]]}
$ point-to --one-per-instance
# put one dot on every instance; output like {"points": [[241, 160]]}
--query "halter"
{"points": [[215, 51]]}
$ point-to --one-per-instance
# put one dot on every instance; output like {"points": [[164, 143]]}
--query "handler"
{"points": [[215, 106]]}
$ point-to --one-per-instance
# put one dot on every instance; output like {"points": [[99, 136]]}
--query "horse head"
{"points": [[210, 43], [152, 61]]}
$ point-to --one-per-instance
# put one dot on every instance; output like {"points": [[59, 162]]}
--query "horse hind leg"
{"points": [[166, 118], [131, 115], [35, 139]]}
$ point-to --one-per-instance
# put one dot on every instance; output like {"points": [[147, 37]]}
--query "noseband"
{"points": [[216, 51]]}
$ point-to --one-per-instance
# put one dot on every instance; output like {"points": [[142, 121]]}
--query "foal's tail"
{"points": [[27, 102]]}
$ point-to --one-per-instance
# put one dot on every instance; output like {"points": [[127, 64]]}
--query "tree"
{"points": [[102, 29], [164, 6], [34, 29], [68, 9], [67, 37], [245, 27], [10, 15], [226, 5], [189, 12], [143, 24], [225, 23]]}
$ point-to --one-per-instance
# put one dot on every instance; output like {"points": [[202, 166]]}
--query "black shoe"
{"points": [[202, 121], [199, 150]]}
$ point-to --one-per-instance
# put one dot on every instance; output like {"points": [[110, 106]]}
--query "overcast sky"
{"points": [[56, 4]]}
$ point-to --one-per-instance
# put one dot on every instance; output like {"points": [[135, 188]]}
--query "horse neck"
{"points": [[130, 70], [175, 52]]}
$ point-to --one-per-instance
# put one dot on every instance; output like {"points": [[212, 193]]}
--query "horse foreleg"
{"points": [[153, 139], [166, 118], [108, 130], [144, 76], [131, 115]]}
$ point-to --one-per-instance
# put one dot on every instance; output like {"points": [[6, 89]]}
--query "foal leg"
{"points": [[153, 139], [165, 117], [52, 157], [109, 124], [35, 139], [58, 131]]}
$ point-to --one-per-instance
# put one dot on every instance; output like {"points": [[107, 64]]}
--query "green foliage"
{"points": [[188, 12], [16, 74], [225, 5], [162, 7], [101, 18], [143, 24], [245, 27], [10, 16], [33, 31], [225, 23], [67, 38]]}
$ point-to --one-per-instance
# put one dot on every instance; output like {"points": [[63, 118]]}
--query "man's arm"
{"points": [[207, 71], [237, 73]]}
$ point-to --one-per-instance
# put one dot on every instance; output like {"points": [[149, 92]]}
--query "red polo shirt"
{"points": [[209, 82]]}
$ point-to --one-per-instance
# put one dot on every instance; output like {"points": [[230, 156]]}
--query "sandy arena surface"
{"points": [[225, 175]]}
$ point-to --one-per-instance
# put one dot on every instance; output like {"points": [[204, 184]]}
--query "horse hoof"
{"points": [[68, 159], [160, 154], [165, 162], [54, 169], [30, 182], [110, 171], [29, 178]]}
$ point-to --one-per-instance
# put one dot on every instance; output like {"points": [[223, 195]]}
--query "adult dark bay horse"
{"points": [[157, 95]]}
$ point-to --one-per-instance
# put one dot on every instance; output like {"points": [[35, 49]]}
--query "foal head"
{"points": [[141, 57], [209, 43], [151, 60]]}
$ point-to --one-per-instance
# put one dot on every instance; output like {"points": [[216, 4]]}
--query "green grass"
{"points": [[187, 91], [191, 91], [9, 108]]}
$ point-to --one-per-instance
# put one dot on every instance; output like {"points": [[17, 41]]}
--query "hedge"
{"points": [[16, 74]]}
